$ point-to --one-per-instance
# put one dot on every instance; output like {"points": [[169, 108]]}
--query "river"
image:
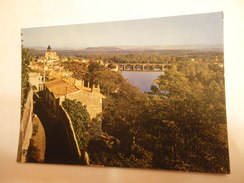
{"points": [[142, 80]]}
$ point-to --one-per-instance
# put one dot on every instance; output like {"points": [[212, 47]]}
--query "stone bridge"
{"points": [[142, 67]]}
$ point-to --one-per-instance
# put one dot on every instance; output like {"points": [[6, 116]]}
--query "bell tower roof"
{"points": [[49, 48]]}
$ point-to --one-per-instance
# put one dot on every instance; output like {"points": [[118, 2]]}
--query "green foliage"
{"points": [[79, 69], [109, 81], [138, 157], [154, 56], [113, 154], [111, 66], [26, 59], [94, 69], [80, 118], [179, 125], [182, 126], [121, 113], [95, 127], [194, 105], [123, 110]]}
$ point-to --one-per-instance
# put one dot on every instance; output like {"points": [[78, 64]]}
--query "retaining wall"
{"points": [[26, 127]]}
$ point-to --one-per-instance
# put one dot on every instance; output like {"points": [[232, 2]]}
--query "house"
{"points": [[35, 80], [41, 59], [56, 91]]}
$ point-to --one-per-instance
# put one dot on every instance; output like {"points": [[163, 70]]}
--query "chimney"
{"points": [[82, 83], [95, 89], [88, 84]]}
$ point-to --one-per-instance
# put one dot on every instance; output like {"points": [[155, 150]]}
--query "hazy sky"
{"points": [[178, 30]]}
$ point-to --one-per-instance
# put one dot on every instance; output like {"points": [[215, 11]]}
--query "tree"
{"points": [[94, 69], [111, 66], [179, 125], [79, 69], [26, 59], [80, 119], [194, 105]]}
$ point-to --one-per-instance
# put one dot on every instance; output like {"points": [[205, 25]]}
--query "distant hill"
{"points": [[122, 48], [177, 50], [103, 49], [215, 47]]}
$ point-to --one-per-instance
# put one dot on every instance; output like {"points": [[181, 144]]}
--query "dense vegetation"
{"points": [[154, 56], [179, 125], [187, 124], [80, 118], [26, 58]]}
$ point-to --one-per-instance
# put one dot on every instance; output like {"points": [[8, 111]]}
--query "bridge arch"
{"points": [[138, 67], [147, 67], [158, 67], [167, 66], [121, 67], [128, 67]]}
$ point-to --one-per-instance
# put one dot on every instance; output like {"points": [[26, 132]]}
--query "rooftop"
{"points": [[60, 88]]}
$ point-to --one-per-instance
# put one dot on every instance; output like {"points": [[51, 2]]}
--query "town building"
{"points": [[36, 81], [41, 59], [56, 91], [50, 55]]}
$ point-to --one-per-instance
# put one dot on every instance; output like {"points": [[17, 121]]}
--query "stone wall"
{"points": [[26, 127]]}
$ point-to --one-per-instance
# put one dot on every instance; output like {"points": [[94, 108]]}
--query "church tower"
{"points": [[49, 49], [51, 55]]}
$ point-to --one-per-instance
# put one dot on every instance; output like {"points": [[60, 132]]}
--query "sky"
{"points": [[198, 29]]}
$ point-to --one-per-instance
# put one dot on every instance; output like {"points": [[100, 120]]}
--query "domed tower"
{"points": [[49, 49]]}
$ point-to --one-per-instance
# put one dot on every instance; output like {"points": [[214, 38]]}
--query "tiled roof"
{"points": [[60, 88], [70, 80], [54, 75]]}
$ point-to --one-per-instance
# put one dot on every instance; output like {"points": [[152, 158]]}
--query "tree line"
{"points": [[155, 57]]}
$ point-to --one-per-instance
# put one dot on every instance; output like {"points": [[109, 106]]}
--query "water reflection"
{"points": [[142, 80]]}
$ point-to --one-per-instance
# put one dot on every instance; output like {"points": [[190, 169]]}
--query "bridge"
{"points": [[142, 67]]}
